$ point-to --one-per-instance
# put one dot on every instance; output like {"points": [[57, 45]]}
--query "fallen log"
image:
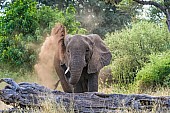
{"points": [[32, 95]]}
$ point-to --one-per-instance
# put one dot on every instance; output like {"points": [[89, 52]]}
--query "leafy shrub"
{"points": [[166, 82], [23, 16], [131, 46], [157, 72], [20, 17], [15, 52], [73, 26], [47, 18], [124, 69], [23, 22]]}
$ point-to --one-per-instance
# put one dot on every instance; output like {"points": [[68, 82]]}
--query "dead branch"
{"points": [[32, 95]]}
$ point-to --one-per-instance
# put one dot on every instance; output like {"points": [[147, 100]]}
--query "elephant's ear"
{"points": [[101, 55], [59, 33]]}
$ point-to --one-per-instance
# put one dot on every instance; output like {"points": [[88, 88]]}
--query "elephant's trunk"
{"points": [[75, 77], [76, 69]]}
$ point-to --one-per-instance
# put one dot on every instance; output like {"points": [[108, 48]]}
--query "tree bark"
{"points": [[168, 18], [33, 95]]}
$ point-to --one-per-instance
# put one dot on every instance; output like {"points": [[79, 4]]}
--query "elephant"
{"points": [[105, 77], [78, 60]]}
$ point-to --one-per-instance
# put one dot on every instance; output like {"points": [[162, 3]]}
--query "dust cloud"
{"points": [[44, 68], [90, 21]]}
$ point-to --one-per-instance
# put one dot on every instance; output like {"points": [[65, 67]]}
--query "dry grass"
{"points": [[117, 89], [48, 106], [160, 91]]}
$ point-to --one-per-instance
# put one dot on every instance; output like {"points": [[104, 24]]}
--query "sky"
{"points": [[1, 10]]}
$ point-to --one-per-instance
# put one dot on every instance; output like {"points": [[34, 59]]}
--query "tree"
{"points": [[22, 22], [96, 16], [101, 18], [165, 7]]}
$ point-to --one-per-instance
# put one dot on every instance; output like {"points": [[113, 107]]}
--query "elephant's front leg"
{"points": [[93, 82], [78, 87], [81, 86]]}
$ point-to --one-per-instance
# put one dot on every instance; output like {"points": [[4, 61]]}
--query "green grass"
{"points": [[18, 76]]}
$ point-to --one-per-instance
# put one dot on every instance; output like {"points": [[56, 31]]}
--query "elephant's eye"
{"points": [[87, 50]]}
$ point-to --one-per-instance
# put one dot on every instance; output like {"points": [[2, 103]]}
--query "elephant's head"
{"points": [[83, 51]]}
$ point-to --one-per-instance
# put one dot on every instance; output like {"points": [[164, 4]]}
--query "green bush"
{"points": [[23, 16], [25, 22], [15, 52], [48, 17], [157, 72], [124, 69], [72, 25], [130, 48], [20, 17], [166, 82]]}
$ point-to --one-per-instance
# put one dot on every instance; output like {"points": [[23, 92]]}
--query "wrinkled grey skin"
{"points": [[80, 61]]}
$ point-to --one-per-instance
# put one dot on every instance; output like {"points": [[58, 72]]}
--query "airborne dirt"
{"points": [[44, 68]]}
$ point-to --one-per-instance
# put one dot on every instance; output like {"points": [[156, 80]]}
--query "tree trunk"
{"points": [[168, 19], [32, 95]]}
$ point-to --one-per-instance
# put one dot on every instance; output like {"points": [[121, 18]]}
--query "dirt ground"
{"points": [[4, 106]]}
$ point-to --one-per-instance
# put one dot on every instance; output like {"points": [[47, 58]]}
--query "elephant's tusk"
{"points": [[67, 70]]}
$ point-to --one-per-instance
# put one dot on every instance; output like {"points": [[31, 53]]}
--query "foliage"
{"points": [[129, 6], [15, 52], [131, 46], [108, 21], [18, 21], [155, 73], [164, 6], [95, 15], [71, 23], [24, 17], [101, 18], [20, 17], [54, 15], [124, 69], [156, 15], [25, 22]]}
